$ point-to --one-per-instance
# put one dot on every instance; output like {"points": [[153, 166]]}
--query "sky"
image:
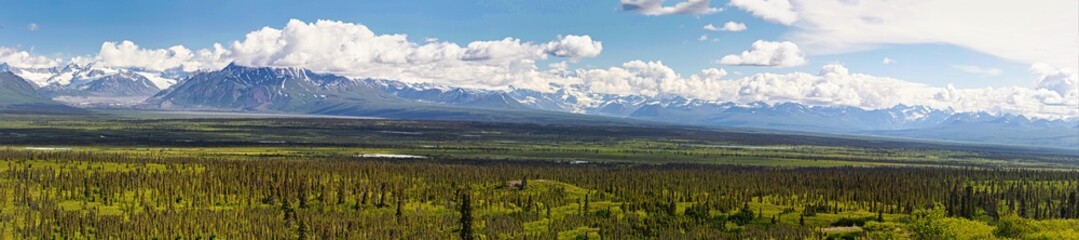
{"points": [[968, 55]]}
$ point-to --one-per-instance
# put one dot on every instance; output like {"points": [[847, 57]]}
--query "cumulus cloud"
{"points": [[887, 60], [765, 53], [980, 71], [656, 8], [573, 46], [32, 26], [1037, 31], [24, 59], [653, 79], [1064, 81], [777, 11], [354, 50], [129, 54]]}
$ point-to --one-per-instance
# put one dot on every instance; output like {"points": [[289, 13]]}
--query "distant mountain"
{"points": [[93, 85], [79, 74], [793, 116], [123, 84], [296, 90], [470, 98], [260, 89], [16, 90], [19, 96], [299, 90], [1003, 129]]}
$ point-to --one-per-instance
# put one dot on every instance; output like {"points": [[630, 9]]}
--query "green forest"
{"points": [[386, 179]]}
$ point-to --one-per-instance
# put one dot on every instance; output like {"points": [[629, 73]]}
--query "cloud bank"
{"points": [[1056, 97], [24, 59]]}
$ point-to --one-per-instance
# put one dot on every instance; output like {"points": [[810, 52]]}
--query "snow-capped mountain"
{"points": [[120, 84], [262, 88], [303, 91], [92, 84], [900, 120], [573, 98], [74, 73], [429, 93]]}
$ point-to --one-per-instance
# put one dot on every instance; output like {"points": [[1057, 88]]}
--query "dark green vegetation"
{"points": [[110, 178]]}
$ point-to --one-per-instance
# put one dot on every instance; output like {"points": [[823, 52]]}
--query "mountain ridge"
{"points": [[298, 90]]}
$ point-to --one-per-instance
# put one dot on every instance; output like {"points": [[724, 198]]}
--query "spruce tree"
{"points": [[466, 217]]}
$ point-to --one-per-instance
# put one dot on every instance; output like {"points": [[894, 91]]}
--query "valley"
{"points": [[211, 175]]}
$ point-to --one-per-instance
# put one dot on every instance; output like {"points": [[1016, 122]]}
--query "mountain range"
{"points": [[296, 90], [17, 95], [93, 85]]}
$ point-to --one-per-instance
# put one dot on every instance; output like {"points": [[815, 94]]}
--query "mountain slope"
{"points": [[461, 97], [294, 90], [15, 90], [124, 84], [260, 89], [19, 96]]}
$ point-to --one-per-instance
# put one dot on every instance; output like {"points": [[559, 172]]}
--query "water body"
{"points": [[388, 155]]}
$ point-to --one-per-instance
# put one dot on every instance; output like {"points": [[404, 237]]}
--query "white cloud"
{"points": [[561, 66], [833, 85], [24, 59], [32, 26], [980, 71], [727, 27], [703, 37], [354, 50], [507, 49], [1029, 32], [652, 79], [733, 27], [573, 46], [887, 60], [765, 53], [777, 11], [656, 8], [129, 54], [1064, 81]]}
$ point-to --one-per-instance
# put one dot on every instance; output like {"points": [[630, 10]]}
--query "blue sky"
{"points": [[67, 28]]}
